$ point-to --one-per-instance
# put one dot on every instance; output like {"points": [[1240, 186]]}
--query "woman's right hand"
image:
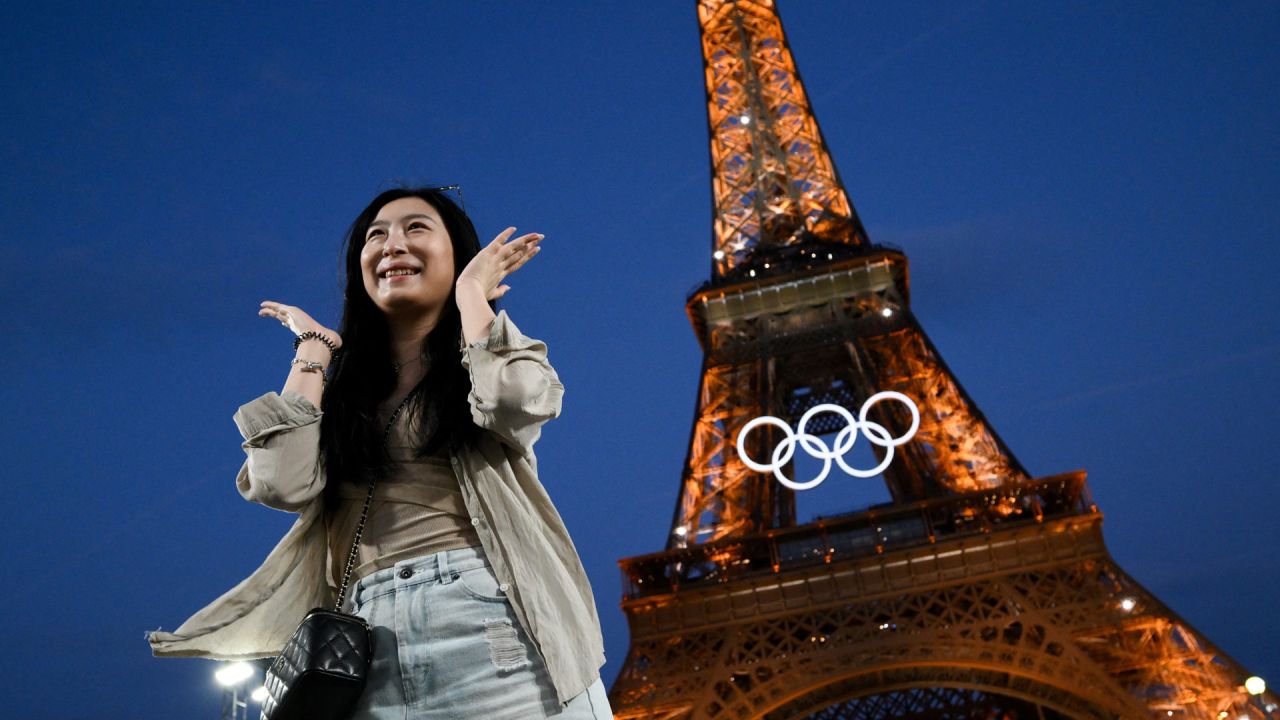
{"points": [[296, 320]]}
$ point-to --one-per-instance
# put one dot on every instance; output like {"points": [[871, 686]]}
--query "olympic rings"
{"points": [[875, 432]]}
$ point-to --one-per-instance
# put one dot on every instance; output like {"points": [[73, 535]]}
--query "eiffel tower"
{"points": [[979, 591]]}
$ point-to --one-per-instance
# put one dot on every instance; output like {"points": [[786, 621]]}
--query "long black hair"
{"points": [[350, 432]]}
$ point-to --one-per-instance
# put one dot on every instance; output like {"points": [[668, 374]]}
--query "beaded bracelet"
{"points": [[333, 349]]}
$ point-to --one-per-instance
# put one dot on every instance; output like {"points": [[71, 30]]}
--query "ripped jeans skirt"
{"points": [[447, 644]]}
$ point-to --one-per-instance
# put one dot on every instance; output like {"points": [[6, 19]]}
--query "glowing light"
{"points": [[744, 119], [719, 254], [233, 674], [752, 273], [876, 433], [1128, 604], [682, 531], [259, 694], [886, 312], [1255, 685]]}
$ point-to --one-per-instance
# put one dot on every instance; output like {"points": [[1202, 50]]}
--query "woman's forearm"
{"points": [[306, 383], [477, 316]]}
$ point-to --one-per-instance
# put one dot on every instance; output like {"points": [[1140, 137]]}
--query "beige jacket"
{"points": [[514, 391]]}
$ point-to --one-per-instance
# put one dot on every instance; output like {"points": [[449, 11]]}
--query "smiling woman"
{"points": [[413, 474], [407, 258]]}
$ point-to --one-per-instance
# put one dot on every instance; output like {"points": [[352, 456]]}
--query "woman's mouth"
{"points": [[400, 275]]}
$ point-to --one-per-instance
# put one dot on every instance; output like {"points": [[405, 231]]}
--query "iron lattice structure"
{"points": [[773, 181], [978, 592]]}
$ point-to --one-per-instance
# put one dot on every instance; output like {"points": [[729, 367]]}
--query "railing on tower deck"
{"points": [[866, 533]]}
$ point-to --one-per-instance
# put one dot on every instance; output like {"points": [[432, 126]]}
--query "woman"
{"points": [[478, 602]]}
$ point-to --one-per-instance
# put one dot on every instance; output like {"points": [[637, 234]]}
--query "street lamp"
{"points": [[232, 678], [233, 674]]}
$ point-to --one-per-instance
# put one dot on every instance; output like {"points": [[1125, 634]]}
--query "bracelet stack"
{"points": [[311, 365]]}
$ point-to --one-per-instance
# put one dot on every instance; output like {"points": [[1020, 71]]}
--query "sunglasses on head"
{"points": [[456, 188]]}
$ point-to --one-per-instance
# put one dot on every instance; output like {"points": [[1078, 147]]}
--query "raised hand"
{"points": [[497, 260], [296, 320]]}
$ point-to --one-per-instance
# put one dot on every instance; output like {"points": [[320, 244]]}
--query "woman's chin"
{"points": [[404, 303]]}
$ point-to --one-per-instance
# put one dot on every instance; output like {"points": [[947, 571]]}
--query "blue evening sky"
{"points": [[1087, 192]]}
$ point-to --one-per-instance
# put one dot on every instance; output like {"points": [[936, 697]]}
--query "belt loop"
{"points": [[442, 566]]}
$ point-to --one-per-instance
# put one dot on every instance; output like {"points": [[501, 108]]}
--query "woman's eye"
{"points": [[415, 224], [373, 235]]}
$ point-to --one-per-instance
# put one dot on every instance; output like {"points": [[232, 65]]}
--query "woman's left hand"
{"points": [[497, 260]]}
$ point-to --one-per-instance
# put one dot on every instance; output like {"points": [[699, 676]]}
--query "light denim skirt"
{"points": [[447, 645]]}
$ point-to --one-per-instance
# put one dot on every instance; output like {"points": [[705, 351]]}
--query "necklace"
{"points": [[395, 366]]}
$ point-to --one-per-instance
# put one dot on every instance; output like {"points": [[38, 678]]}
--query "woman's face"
{"points": [[408, 239]]}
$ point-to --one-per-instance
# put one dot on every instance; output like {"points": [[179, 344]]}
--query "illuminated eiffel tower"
{"points": [[978, 592]]}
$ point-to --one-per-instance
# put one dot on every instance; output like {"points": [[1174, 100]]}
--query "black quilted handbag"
{"points": [[323, 668]]}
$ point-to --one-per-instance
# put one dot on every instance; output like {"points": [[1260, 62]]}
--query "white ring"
{"points": [[876, 434]]}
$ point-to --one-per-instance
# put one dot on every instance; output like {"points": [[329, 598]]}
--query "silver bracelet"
{"points": [[310, 366]]}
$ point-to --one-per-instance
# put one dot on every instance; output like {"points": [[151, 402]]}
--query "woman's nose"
{"points": [[394, 244]]}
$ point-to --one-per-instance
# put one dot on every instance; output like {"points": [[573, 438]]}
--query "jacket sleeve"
{"points": [[514, 390], [284, 467]]}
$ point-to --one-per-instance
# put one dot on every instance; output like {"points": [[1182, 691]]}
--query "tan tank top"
{"points": [[417, 510]]}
